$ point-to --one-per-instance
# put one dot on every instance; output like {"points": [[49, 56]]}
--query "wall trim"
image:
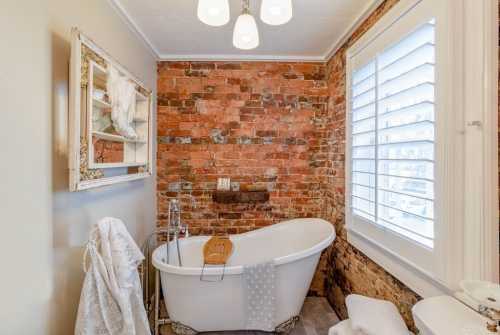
{"points": [[134, 27], [334, 47], [480, 127], [242, 58]]}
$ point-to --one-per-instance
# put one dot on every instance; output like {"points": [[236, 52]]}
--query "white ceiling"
{"points": [[173, 32]]}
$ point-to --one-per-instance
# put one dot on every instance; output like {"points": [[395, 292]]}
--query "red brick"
{"points": [[265, 115]]}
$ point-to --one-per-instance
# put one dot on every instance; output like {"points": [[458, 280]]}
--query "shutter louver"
{"points": [[392, 129]]}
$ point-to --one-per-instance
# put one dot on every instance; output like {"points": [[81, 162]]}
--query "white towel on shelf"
{"points": [[343, 328], [111, 299], [122, 95], [374, 317]]}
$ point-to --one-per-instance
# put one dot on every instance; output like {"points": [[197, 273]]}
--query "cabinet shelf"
{"points": [[101, 103], [99, 70], [117, 165], [141, 97], [100, 154], [115, 138]]}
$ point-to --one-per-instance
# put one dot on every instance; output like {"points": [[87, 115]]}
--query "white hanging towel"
{"points": [[260, 292], [111, 299], [122, 95], [374, 317]]}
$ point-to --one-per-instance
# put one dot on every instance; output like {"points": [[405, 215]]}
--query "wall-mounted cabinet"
{"points": [[101, 154]]}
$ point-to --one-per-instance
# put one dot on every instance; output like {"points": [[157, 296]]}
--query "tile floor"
{"points": [[316, 318]]}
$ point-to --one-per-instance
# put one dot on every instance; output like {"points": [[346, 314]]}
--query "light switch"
{"points": [[223, 184]]}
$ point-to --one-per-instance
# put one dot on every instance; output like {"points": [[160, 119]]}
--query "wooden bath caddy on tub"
{"points": [[216, 251]]}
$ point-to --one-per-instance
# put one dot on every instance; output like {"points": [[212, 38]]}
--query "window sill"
{"points": [[415, 278]]}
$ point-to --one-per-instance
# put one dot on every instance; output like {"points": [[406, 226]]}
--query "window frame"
{"points": [[438, 271]]}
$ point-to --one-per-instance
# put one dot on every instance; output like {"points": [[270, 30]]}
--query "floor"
{"points": [[316, 318]]}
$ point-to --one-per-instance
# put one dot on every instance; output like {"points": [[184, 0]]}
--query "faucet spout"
{"points": [[175, 226]]}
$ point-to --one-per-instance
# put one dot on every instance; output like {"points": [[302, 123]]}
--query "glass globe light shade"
{"points": [[246, 33], [213, 12], [276, 12]]}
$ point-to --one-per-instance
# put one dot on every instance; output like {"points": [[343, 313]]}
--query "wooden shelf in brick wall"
{"points": [[240, 197]]}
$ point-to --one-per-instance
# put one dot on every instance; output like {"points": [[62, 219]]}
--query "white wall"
{"points": [[25, 197], [44, 227]]}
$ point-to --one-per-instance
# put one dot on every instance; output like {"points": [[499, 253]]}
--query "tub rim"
{"points": [[238, 269]]}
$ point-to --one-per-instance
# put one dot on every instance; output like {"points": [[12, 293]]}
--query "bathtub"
{"points": [[201, 306]]}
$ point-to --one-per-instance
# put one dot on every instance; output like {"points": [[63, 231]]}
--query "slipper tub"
{"points": [[194, 305]]}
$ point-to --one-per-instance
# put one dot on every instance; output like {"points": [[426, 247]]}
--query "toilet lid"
{"points": [[445, 315]]}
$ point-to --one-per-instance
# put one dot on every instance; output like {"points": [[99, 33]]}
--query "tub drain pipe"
{"points": [[152, 301]]}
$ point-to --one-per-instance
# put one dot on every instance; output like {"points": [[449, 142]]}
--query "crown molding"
{"points": [[134, 27], [335, 46], [242, 58]]}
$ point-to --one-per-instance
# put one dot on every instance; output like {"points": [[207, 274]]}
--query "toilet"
{"points": [[445, 315]]}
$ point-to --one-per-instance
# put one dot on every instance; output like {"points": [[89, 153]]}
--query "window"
{"points": [[399, 131], [392, 137], [422, 141]]}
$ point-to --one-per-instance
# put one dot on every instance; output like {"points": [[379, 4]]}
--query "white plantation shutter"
{"points": [[392, 137], [421, 143]]}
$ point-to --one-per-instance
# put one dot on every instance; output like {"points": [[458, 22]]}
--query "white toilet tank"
{"points": [[445, 315]]}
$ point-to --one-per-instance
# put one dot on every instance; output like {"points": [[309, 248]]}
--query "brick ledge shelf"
{"points": [[240, 197]]}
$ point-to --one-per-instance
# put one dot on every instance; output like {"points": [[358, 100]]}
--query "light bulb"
{"points": [[276, 12], [246, 34], [213, 12]]}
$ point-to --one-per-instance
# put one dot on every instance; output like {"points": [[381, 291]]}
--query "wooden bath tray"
{"points": [[217, 250]]}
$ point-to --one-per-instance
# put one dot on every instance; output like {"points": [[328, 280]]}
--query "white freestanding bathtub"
{"points": [[200, 306]]}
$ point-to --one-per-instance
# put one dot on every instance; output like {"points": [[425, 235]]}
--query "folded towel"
{"points": [[374, 317], [343, 328]]}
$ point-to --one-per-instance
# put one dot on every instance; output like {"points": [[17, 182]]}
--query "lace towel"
{"points": [[260, 291], [111, 299]]}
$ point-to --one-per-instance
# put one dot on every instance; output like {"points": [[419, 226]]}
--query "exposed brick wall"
{"points": [[253, 122], [350, 271], [278, 126], [108, 151]]}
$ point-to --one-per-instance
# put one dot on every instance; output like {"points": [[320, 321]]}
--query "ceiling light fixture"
{"points": [[276, 12], [213, 12], [246, 33]]}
